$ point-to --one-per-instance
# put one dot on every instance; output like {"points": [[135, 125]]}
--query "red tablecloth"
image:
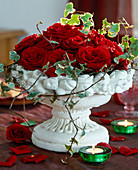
{"points": [[39, 113]]}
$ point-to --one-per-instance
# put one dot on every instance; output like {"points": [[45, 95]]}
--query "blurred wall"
{"points": [[135, 16], [25, 14]]}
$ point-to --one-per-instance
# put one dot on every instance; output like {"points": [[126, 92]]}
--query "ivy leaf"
{"points": [[69, 148], [14, 56], [87, 25], [106, 24], [113, 31], [64, 162], [32, 95], [83, 133], [69, 9], [74, 20], [132, 39], [46, 66], [84, 31], [4, 89], [1, 67], [82, 95], [134, 48], [68, 70], [74, 141], [124, 56], [59, 71], [54, 42], [11, 85], [64, 20], [29, 123], [121, 46], [86, 17]]}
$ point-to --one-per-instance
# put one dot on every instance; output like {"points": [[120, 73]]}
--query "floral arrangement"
{"points": [[71, 48]]}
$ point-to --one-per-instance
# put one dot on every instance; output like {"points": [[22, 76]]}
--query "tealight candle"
{"points": [[125, 126], [96, 154], [94, 150], [125, 123]]}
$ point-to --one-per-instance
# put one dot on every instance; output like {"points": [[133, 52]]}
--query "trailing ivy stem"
{"points": [[76, 127]]}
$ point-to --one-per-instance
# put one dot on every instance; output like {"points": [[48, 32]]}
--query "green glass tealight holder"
{"points": [[97, 157], [124, 129]]}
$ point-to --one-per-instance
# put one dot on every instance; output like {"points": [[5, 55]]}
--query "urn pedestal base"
{"points": [[54, 133]]}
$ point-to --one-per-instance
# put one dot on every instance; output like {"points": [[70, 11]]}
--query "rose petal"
{"points": [[34, 158], [108, 122], [127, 151], [9, 162], [101, 113], [118, 138], [18, 120], [114, 150], [21, 149]]}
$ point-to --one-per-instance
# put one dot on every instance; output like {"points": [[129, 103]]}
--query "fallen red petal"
{"points": [[34, 158], [9, 162], [21, 149], [101, 113], [108, 122], [114, 150], [118, 138], [127, 151], [18, 120]]}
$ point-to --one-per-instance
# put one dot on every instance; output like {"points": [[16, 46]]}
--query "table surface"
{"points": [[39, 113]]}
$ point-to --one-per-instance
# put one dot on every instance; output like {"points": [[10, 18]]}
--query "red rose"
{"points": [[123, 63], [43, 43], [32, 58], [60, 31], [53, 57], [18, 133], [95, 58], [73, 43], [25, 43]]}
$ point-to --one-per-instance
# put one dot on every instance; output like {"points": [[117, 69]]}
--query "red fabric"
{"points": [[127, 151], [21, 149], [118, 138], [114, 150], [108, 122], [34, 158], [9, 162], [101, 113]]}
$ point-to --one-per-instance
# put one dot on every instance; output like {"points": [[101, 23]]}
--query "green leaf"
{"points": [[69, 9], [74, 141], [4, 89], [64, 20], [46, 66], [1, 67], [68, 70], [29, 123], [14, 56], [11, 85], [121, 46], [82, 95], [84, 31], [124, 56], [83, 133], [64, 162], [106, 24], [113, 31], [87, 25], [134, 48], [74, 20], [132, 39], [59, 71], [32, 95], [86, 17], [54, 42]]}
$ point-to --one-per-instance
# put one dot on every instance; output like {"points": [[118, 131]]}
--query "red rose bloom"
{"points": [[54, 56], [25, 43], [72, 44], [95, 58], [60, 31], [18, 133], [32, 58], [123, 63], [43, 43]]}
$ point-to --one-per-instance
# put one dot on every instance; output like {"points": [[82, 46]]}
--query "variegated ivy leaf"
{"points": [[113, 31], [74, 141], [29, 123], [32, 95], [106, 24], [86, 17], [11, 85], [54, 42], [124, 56], [82, 95], [1, 67], [14, 56], [134, 48], [74, 20], [69, 9]]}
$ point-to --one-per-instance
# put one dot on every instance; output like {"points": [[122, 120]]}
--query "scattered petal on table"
{"points": [[21, 149], [127, 151], [9, 162], [101, 113], [114, 150], [108, 122], [18, 120], [118, 138], [34, 158]]}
